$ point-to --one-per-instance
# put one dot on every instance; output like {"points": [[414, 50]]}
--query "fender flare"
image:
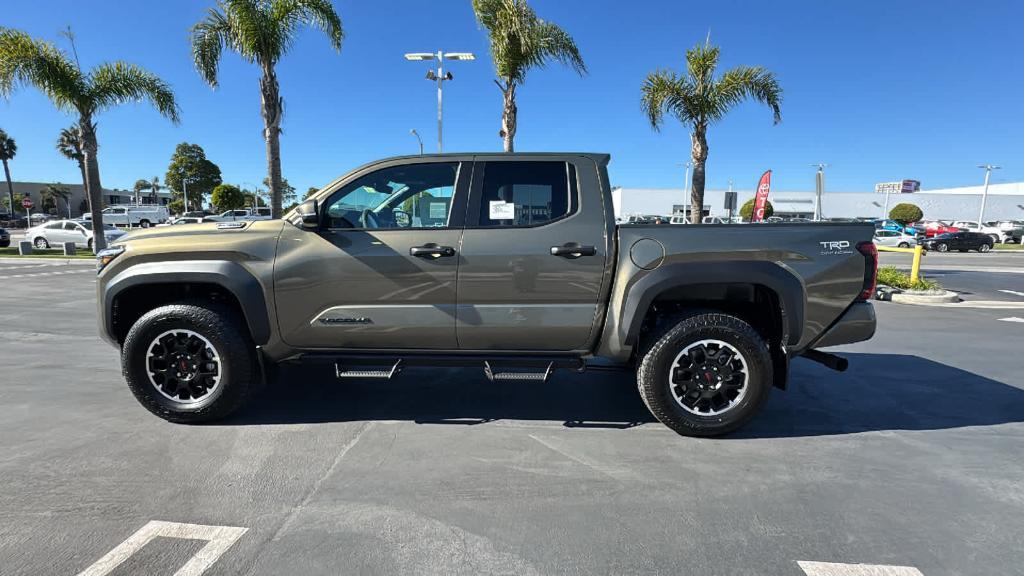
{"points": [[788, 288], [230, 276]]}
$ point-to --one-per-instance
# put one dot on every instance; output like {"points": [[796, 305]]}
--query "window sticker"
{"points": [[438, 210], [501, 210]]}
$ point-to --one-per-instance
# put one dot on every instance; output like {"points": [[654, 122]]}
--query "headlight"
{"points": [[107, 256]]}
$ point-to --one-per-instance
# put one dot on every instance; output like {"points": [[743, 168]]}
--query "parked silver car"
{"points": [[59, 231]]}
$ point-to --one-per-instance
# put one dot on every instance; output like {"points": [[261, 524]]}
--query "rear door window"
{"points": [[527, 193]]}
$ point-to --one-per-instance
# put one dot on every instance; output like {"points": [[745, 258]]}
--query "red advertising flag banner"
{"points": [[761, 197]]}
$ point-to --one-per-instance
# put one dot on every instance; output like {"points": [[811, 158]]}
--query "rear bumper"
{"points": [[855, 325]]}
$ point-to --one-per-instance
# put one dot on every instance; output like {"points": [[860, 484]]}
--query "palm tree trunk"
{"points": [[508, 116], [93, 188], [699, 156], [85, 185], [270, 105], [10, 189]]}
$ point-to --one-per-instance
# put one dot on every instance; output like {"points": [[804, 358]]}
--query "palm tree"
{"points": [[520, 41], [27, 61], [698, 99], [8, 149], [69, 145], [154, 188], [261, 32]]}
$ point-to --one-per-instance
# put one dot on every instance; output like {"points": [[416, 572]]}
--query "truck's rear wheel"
{"points": [[189, 362], [706, 376]]}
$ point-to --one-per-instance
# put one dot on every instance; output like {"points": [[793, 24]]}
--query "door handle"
{"points": [[573, 250], [432, 251]]}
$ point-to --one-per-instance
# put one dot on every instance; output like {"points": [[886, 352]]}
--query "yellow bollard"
{"points": [[915, 268]]}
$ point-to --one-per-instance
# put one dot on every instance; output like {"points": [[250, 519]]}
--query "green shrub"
{"points": [[227, 197], [747, 210], [905, 213], [892, 276]]}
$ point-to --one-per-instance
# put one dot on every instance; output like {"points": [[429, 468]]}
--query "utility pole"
{"points": [[819, 188], [984, 193], [440, 76]]}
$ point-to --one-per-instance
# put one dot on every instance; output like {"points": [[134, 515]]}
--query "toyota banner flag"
{"points": [[761, 197]]}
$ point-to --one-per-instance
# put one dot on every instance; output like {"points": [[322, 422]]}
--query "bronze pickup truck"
{"points": [[509, 262]]}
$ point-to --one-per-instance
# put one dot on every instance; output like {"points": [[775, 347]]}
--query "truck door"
{"points": [[534, 254], [380, 272]]}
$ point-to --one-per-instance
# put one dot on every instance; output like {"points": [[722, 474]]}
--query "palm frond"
{"points": [[69, 143], [752, 82], [519, 40], [665, 92], [25, 61], [555, 43], [118, 82], [209, 37], [318, 14]]}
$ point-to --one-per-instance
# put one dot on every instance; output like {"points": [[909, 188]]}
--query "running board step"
{"points": [[541, 377], [340, 373]]}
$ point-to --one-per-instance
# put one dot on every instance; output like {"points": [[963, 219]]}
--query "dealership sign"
{"points": [[898, 187]]}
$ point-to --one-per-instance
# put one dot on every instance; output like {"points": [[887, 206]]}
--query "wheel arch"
{"points": [[143, 287]]}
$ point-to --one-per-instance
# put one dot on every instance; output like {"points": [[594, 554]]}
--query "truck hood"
{"points": [[209, 230]]}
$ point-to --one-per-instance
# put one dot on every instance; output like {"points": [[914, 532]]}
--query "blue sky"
{"points": [[880, 90]]}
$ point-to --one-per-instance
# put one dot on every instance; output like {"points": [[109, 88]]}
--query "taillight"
{"points": [[870, 253]]}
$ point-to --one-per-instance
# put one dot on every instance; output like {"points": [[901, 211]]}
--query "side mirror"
{"points": [[307, 215]]}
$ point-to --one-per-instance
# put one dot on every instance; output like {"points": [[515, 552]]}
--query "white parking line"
{"points": [[831, 569], [29, 266], [219, 539], [57, 273], [1011, 319], [1014, 292]]}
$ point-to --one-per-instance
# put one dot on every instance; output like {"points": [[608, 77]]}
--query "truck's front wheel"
{"points": [[706, 376], [189, 362]]}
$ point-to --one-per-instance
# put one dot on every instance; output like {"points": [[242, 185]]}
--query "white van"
{"points": [[143, 216]]}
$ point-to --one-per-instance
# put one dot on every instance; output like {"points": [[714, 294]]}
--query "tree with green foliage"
{"points": [[699, 99], [905, 213], [50, 196], [189, 166], [25, 61], [310, 191], [747, 210], [520, 41], [288, 194], [261, 32], [8, 149], [227, 197]]}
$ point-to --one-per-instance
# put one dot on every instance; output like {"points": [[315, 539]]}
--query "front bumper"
{"points": [[855, 325]]}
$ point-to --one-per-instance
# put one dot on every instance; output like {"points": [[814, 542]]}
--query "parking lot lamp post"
{"points": [[418, 139], [440, 76], [984, 192]]}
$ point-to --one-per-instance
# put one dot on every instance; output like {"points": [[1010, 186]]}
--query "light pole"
{"points": [[819, 188], [418, 139], [984, 193], [440, 76]]}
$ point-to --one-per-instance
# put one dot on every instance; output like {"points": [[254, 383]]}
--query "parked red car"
{"points": [[935, 227]]}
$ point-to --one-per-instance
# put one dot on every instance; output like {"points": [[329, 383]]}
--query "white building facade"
{"points": [[1005, 202]]}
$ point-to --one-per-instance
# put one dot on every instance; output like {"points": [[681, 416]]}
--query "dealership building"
{"points": [[1005, 202]]}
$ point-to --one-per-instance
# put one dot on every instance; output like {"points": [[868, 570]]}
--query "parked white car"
{"points": [[241, 214], [894, 239], [996, 233], [143, 215], [54, 234]]}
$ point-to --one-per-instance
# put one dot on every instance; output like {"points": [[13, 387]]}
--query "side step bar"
{"points": [[541, 377], [378, 374], [837, 363]]}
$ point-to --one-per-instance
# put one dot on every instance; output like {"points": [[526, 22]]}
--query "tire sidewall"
{"points": [[657, 365], [236, 368]]}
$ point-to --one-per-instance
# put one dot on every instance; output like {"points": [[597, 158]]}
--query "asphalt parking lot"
{"points": [[913, 458]]}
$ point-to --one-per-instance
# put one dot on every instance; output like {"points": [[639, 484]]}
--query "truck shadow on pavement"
{"points": [[878, 392]]}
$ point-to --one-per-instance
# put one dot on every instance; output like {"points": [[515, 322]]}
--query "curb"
{"points": [[946, 297], [54, 261]]}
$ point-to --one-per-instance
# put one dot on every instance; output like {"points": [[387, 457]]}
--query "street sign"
{"points": [[730, 201], [26, 202]]}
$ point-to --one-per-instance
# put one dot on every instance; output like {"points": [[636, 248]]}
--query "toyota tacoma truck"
{"points": [[512, 263]]}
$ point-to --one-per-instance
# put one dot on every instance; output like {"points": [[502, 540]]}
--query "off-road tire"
{"points": [[656, 364], [224, 329]]}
